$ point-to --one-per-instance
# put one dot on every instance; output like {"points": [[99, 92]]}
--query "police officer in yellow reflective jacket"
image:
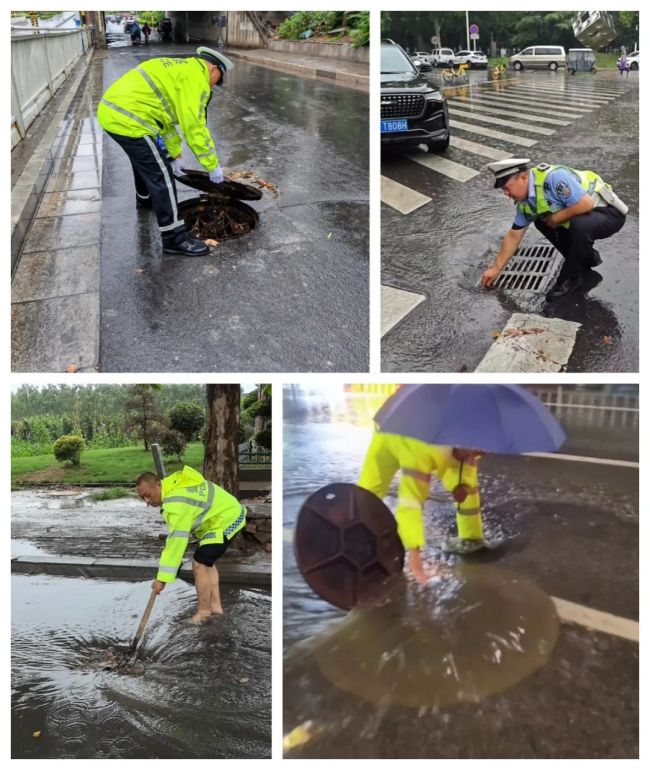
{"points": [[571, 208], [192, 506], [141, 112], [418, 462]]}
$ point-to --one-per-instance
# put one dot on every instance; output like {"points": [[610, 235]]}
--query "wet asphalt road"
{"points": [[441, 249], [569, 527], [292, 296], [193, 692]]}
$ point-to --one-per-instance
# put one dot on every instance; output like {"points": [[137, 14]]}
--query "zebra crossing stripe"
{"points": [[573, 93], [513, 139], [444, 166], [551, 100], [550, 104], [400, 197], [500, 122], [395, 305], [479, 149], [521, 104], [554, 96], [502, 111]]}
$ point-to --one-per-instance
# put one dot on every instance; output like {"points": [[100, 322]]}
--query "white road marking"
{"points": [[573, 95], [596, 620], [401, 198], [508, 102], [546, 351], [556, 97], [500, 122], [548, 104], [444, 166], [395, 305], [513, 139], [479, 149], [287, 535], [469, 104], [581, 459]]}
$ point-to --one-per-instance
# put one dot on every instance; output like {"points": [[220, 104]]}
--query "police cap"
{"points": [[504, 169], [215, 57]]}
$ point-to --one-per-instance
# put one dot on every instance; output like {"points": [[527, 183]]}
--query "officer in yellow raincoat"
{"points": [[193, 506], [418, 462], [570, 208], [141, 111]]}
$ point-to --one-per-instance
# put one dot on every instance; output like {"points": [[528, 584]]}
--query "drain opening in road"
{"points": [[532, 269]]}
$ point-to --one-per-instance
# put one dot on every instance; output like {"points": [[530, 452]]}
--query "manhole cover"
{"points": [[531, 270], [346, 544], [207, 217]]}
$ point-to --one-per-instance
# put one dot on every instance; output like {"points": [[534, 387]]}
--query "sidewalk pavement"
{"points": [[346, 73]]}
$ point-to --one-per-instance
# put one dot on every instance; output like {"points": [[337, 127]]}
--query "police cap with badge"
{"points": [[504, 169], [216, 58]]}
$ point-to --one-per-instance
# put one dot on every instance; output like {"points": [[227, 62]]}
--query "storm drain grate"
{"points": [[531, 269]]}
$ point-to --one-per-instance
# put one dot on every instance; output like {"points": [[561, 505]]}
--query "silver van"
{"points": [[539, 57]]}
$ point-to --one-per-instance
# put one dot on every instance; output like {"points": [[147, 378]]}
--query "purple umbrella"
{"points": [[494, 418]]}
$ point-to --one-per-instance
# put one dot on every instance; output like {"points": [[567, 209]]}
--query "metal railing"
{"points": [[41, 61], [597, 408]]}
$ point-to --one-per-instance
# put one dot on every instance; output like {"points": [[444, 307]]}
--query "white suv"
{"points": [[473, 58], [442, 57]]}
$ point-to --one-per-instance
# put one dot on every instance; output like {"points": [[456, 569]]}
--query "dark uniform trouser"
{"points": [[154, 179], [576, 243]]}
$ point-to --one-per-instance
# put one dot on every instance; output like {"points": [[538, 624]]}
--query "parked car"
{"points": [[421, 61], [472, 58], [632, 60], [413, 110], [539, 57], [442, 57]]}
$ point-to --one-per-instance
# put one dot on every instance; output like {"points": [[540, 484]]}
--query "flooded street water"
{"points": [[441, 671], [192, 692]]}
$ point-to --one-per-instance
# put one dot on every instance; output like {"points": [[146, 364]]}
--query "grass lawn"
{"points": [[98, 466]]}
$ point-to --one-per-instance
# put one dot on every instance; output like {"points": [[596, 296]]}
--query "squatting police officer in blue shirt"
{"points": [[570, 208]]}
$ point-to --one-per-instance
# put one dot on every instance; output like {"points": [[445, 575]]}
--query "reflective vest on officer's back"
{"points": [[593, 185], [192, 505], [155, 97]]}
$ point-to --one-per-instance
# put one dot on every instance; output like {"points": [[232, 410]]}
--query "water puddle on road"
{"points": [[477, 631], [195, 692]]}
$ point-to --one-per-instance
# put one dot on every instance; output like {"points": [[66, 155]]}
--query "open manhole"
{"points": [[219, 212], [532, 270]]}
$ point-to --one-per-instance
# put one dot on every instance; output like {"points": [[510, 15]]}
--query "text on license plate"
{"points": [[387, 126]]}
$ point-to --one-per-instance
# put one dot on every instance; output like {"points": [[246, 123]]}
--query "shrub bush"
{"points": [[69, 449], [317, 21], [172, 442]]}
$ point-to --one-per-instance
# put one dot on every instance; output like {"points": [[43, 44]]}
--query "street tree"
{"points": [[143, 412], [188, 419], [221, 463]]}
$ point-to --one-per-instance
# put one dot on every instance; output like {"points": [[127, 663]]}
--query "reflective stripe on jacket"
{"points": [[590, 181], [417, 461], [192, 505], [155, 97]]}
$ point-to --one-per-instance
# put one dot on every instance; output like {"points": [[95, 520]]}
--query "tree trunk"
{"points": [[221, 464]]}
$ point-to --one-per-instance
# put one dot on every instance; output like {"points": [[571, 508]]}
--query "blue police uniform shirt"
{"points": [[562, 188]]}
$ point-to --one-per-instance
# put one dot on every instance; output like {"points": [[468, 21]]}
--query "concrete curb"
{"points": [[131, 569], [26, 193], [349, 79]]}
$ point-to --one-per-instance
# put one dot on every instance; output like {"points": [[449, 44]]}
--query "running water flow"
{"points": [[192, 692]]}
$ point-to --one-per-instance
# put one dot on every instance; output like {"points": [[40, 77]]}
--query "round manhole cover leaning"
{"points": [[346, 545]]}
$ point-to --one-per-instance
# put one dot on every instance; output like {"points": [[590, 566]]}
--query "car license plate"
{"points": [[390, 126]]}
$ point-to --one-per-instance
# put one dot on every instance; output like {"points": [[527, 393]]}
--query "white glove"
{"points": [[177, 166], [216, 176]]}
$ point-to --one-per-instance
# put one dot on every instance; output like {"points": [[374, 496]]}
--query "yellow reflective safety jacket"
{"points": [[418, 461], [192, 505], [155, 97]]}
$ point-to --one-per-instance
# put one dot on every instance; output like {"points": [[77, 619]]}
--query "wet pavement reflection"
{"points": [[191, 692]]}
